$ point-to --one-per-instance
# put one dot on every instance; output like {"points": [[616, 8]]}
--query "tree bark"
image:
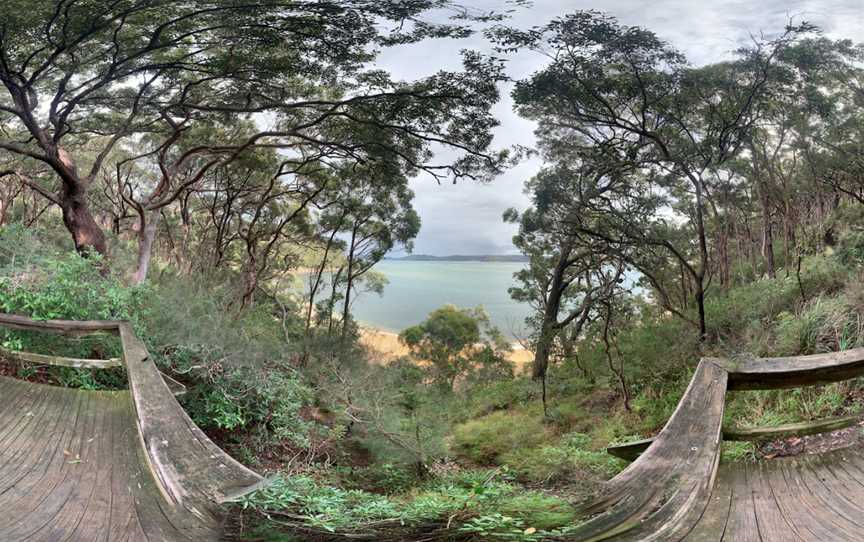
{"points": [[549, 328], [149, 225], [78, 219], [703, 258], [767, 234], [313, 290], [349, 279]]}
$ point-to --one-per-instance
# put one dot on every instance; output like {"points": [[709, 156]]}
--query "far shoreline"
{"points": [[387, 345]]}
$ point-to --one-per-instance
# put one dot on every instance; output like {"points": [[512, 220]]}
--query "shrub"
{"points": [[243, 399], [501, 395], [72, 288], [485, 439], [539, 511], [823, 325], [472, 502], [732, 312], [570, 458]]}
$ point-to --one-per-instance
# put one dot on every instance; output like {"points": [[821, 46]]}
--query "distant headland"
{"points": [[462, 258]]}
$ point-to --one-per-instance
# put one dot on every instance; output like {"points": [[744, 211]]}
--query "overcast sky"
{"points": [[466, 218]]}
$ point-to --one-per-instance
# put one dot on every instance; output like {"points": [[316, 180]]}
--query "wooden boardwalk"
{"points": [[806, 498], [677, 490], [85, 466], [131, 466]]}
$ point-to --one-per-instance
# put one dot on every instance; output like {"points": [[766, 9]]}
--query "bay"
{"points": [[416, 288]]}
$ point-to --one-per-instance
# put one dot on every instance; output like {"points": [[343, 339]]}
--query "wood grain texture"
{"points": [[664, 493], [191, 469], [84, 466], [675, 490], [800, 499], [794, 371], [71, 469], [63, 327], [132, 466], [631, 450], [60, 361]]}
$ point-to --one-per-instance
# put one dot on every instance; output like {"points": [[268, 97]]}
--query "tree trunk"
{"points": [[349, 279], [334, 285], [703, 258], [700, 303], [544, 348], [313, 290], [549, 328], [86, 233], [250, 284], [149, 225], [767, 234]]}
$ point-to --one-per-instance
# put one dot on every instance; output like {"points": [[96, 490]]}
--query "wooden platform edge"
{"points": [[631, 450], [192, 470], [60, 361]]}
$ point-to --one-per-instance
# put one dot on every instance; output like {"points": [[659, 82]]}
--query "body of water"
{"points": [[417, 288]]}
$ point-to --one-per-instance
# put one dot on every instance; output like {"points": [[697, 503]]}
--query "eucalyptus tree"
{"points": [[83, 78], [10, 189], [625, 91], [568, 273], [825, 96], [379, 217]]}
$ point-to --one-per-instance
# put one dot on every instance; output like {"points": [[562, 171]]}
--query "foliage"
{"points": [[568, 459], [43, 286], [456, 342], [484, 440], [63, 287], [465, 503]]}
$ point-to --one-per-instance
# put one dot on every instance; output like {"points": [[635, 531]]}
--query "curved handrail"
{"points": [[663, 493], [189, 469], [63, 327], [792, 371]]}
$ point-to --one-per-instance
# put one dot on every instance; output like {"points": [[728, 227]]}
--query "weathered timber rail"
{"points": [[676, 489], [84, 466]]}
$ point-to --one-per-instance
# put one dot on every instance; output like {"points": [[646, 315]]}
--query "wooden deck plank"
{"points": [[742, 526], [715, 518], [787, 487], [73, 471], [771, 521], [81, 466]]}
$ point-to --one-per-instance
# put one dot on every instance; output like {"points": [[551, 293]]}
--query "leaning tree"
{"points": [[186, 87], [631, 95]]}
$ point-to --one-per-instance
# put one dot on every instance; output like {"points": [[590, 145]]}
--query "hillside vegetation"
{"points": [[162, 167]]}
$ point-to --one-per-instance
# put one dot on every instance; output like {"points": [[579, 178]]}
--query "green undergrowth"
{"points": [[369, 450], [481, 504], [43, 285]]}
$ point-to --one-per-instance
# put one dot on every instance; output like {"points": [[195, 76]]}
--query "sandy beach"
{"points": [[386, 343]]}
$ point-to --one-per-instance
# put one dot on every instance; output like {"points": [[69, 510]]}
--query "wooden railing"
{"points": [[190, 469], [663, 493], [777, 373]]}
